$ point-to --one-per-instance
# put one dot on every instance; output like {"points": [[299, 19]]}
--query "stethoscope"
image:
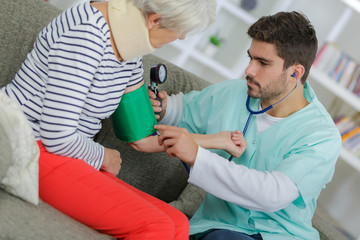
{"points": [[158, 75], [252, 112]]}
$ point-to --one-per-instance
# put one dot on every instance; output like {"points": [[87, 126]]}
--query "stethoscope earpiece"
{"points": [[293, 75]]}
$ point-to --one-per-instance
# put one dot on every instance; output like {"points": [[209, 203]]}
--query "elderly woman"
{"points": [[81, 65]]}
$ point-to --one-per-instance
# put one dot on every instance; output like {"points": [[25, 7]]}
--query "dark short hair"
{"points": [[293, 35]]}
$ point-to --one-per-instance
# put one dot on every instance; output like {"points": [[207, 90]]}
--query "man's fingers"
{"points": [[162, 94], [170, 148], [154, 102], [151, 94], [167, 134], [157, 109], [170, 152], [163, 127], [169, 127], [169, 142]]}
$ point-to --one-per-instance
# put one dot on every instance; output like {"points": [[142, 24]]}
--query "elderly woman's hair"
{"points": [[182, 16]]}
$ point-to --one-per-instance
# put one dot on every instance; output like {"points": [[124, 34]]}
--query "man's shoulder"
{"points": [[232, 82], [228, 86], [317, 125]]}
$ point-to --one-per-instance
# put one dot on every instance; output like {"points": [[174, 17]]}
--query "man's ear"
{"points": [[153, 20], [299, 70]]}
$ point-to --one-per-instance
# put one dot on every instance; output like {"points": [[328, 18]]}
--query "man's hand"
{"points": [[178, 143], [156, 104], [112, 161]]}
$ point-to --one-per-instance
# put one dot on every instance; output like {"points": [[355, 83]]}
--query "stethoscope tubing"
{"points": [[251, 113]]}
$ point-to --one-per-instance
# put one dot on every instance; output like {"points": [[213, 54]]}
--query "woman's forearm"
{"points": [[222, 140], [148, 144], [151, 143], [213, 141]]}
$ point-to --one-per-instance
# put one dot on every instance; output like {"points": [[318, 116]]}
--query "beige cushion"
{"points": [[19, 153]]}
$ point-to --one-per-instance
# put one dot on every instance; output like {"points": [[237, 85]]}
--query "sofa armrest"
{"points": [[326, 230]]}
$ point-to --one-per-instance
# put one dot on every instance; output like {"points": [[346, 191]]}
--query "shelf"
{"points": [[338, 90], [239, 12], [171, 52], [230, 60], [262, 8], [347, 96], [235, 40], [212, 64], [354, 4], [350, 159], [204, 68]]}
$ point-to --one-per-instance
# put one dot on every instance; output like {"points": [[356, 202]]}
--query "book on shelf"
{"points": [[353, 144], [339, 66], [357, 88], [327, 56], [345, 124], [338, 69], [351, 133], [348, 72], [349, 128]]}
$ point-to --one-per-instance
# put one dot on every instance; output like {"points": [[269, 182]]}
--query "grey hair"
{"points": [[182, 16]]}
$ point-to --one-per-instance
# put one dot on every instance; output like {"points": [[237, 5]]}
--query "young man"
{"points": [[82, 64], [270, 191]]}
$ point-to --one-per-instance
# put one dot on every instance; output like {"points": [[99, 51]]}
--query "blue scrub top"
{"points": [[305, 146]]}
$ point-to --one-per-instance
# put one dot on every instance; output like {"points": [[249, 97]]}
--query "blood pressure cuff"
{"points": [[134, 119]]}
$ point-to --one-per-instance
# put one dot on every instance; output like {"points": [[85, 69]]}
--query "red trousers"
{"points": [[104, 202]]}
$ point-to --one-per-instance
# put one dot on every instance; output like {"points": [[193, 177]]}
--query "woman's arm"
{"points": [[148, 144], [232, 142]]}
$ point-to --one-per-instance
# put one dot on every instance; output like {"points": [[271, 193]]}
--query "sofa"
{"points": [[156, 174]]}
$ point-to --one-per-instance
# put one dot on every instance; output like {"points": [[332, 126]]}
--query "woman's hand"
{"points": [[156, 104], [112, 161], [234, 142]]}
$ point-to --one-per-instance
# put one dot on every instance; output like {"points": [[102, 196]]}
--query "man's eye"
{"points": [[264, 63]]}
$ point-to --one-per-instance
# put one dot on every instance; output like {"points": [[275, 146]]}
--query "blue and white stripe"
{"points": [[72, 80]]}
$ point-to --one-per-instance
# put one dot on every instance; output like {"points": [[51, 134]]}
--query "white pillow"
{"points": [[19, 153]]}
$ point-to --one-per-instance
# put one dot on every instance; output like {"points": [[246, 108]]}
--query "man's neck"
{"points": [[293, 103]]}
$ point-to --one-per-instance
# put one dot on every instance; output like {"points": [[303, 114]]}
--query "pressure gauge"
{"points": [[158, 73]]}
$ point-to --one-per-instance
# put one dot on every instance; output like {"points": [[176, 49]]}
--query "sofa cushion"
{"points": [[21, 22], [19, 152], [20, 220]]}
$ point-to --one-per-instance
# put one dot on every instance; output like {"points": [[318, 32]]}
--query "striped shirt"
{"points": [[72, 80]]}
